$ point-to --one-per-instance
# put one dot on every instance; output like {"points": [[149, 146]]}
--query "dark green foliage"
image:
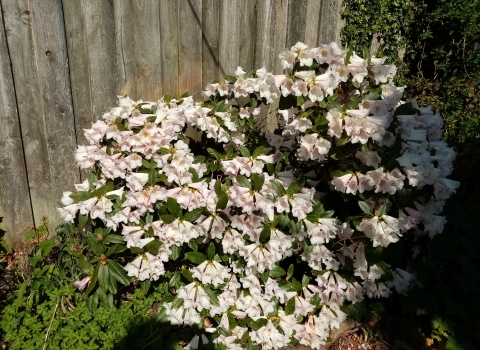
{"points": [[436, 46]]}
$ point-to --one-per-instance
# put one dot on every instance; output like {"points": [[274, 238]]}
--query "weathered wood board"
{"points": [[63, 63]]}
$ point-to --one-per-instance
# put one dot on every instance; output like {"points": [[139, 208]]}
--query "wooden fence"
{"points": [[62, 64]]}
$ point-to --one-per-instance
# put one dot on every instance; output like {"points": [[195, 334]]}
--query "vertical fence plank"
{"points": [[314, 8], [36, 39], [169, 40], [91, 51], [15, 197], [124, 39], [229, 46], [190, 47], [79, 66], [265, 25], [147, 36], [100, 35], [246, 34], [280, 38], [210, 36], [297, 17], [330, 22]]}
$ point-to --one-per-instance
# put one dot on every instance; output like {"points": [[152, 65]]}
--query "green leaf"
{"points": [[244, 151], [195, 177], [259, 323], [175, 281], [193, 244], [258, 180], [213, 297], [218, 187], [365, 207], [145, 286], [290, 271], [301, 100], [102, 191], [243, 181], [343, 139], [95, 244], [230, 78], [187, 274], [152, 177], [278, 187], [382, 210], [136, 250], [113, 238], [223, 331], [152, 247], [277, 271], [111, 250], [214, 153], [290, 306], [103, 277], [296, 186], [84, 264], [297, 286], [348, 55], [193, 215], [29, 235], [173, 207], [222, 201], [47, 246], [258, 151], [211, 251], [176, 251], [265, 234], [305, 280], [195, 257], [112, 285], [385, 268], [198, 159], [82, 221], [118, 272], [253, 102], [169, 218]]}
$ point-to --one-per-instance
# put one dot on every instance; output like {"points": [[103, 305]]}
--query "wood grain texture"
{"points": [[314, 8], [70, 58], [280, 37], [169, 49], [36, 41], [229, 45], [125, 49], [147, 49], [79, 66], [211, 67], [190, 47], [297, 21], [246, 33], [15, 208], [330, 22], [100, 35], [264, 34], [90, 33]]}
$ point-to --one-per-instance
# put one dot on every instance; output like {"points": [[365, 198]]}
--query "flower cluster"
{"points": [[264, 235]]}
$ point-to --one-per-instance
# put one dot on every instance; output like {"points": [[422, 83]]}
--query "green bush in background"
{"points": [[436, 47]]}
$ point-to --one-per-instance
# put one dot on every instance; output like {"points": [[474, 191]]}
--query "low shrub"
{"points": [[263, 237]]}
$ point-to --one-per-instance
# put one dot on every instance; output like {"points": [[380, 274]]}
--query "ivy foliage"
{"points": [[436, 45], [45, 309]]}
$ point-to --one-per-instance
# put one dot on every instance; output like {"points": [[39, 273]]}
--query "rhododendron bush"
{"points": [[264, 232]]}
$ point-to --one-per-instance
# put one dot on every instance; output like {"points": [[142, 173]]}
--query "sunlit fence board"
{"points": [[63, 63]]}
